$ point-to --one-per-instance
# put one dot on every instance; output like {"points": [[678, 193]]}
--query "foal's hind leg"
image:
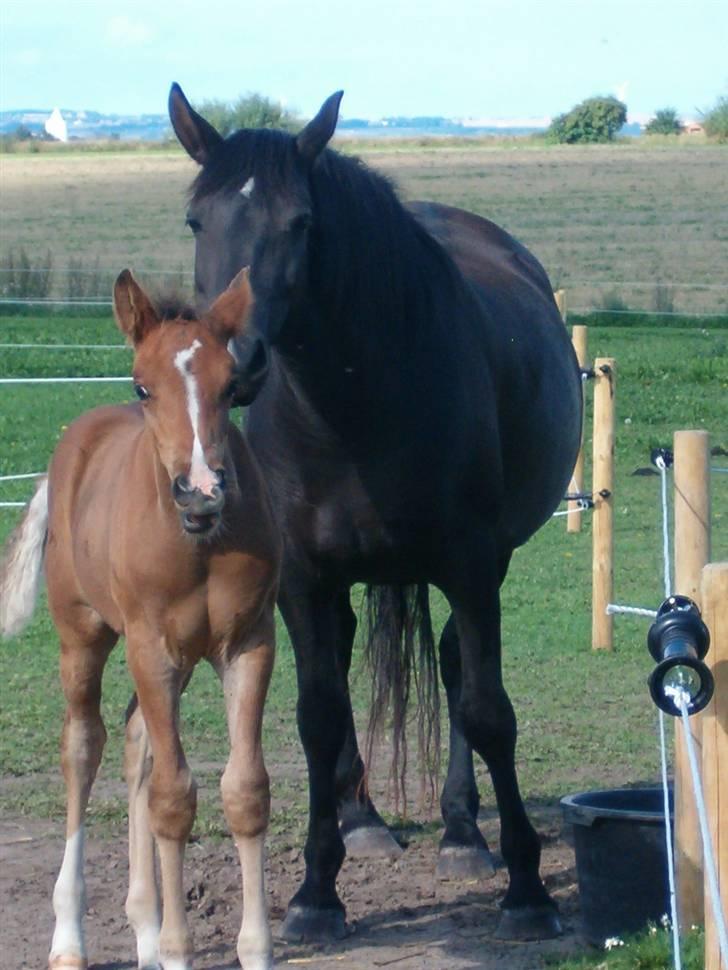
{"points": [[464, 852], [143, 908], [364, 831], [245, 788], [83, 657]]}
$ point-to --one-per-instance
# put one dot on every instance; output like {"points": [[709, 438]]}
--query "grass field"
{"points": [[585, 719], [599, 217]]}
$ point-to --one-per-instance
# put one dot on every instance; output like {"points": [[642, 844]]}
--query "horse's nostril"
{"points": [[220, 475], [182, 491]]}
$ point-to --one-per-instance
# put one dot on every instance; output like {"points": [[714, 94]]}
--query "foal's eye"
{"points": [[141, 392], [194, 224]]}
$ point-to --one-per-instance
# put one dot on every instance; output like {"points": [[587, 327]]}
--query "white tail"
{"points": [[21, 567]]}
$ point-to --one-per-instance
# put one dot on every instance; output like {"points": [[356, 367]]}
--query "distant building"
{"points": [[692, 128], [56, 126]]}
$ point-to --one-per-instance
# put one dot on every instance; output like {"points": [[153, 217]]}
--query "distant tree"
{"points": [[23, 133], [594, 120], [715, 121], [248, 111], [664, 122]]}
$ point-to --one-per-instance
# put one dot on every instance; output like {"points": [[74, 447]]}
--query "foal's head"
{"points": [[184, 376]]}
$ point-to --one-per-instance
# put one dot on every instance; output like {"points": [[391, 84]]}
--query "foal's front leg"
{"points": [[172, 791], [244, 785], [82, 664]]}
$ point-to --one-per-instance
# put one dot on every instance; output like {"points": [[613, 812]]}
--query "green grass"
{"points": [[650, 950], [585, 719]]}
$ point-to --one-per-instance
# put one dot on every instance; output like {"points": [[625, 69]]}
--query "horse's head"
{"points": [[184, 376], [251, 205]]}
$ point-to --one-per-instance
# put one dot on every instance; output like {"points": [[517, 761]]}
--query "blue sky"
{"points": [[460, 58]]}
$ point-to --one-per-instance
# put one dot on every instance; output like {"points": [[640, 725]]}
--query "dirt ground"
{"points": [[399, 915]]}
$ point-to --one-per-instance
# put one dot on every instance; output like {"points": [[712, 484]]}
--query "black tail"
{"points": [[400, 651]]}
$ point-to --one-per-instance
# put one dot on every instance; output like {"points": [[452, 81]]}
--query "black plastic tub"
{"points": [[621, 859]]}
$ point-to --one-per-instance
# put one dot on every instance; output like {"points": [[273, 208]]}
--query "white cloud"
{"points": [[621, 91], [27, 58], [124, 32]]}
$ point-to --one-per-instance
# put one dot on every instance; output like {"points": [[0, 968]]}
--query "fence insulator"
{"points": [[678, 641]]}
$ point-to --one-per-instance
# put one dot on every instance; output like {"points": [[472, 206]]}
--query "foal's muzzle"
{"points": [[199, 513]]}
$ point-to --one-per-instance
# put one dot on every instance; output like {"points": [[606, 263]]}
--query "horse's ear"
{"points": [[133, 309], [197, 136], [312, 139], [228, 313]]}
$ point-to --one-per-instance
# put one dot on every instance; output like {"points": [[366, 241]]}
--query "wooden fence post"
{"points": [[715, 745], [692, 552], [603, 488], [573, 519], [560, 298]]}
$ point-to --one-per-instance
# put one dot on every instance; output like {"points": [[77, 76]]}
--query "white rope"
{"points": [[668, 841], [13, 478], [60, 380], [662, 468], [12, 505], [681, 698], [719, 471], [580, 505], [44, 301], [613, 608], [64, 347]]}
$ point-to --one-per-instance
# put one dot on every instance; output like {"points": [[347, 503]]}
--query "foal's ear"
{"points": [[228, 313], [312, 139], [133, 309], [197, 136]]}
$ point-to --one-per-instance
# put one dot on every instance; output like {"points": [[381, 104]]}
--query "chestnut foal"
{"points": [[156, 526]]}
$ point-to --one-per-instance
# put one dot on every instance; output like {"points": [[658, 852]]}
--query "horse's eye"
{"points": [[300, 222], [141, 392], [194, 224]]}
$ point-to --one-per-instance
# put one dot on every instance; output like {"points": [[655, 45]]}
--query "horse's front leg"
{"points": [[464, 853], [84, 653], [172, 791], [364, 831], [245, 675], [310, 613]]}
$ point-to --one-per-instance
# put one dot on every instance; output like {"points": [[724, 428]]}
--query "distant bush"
{"points": [[664, 122], [594, 120], [249, 111], [715, 121]]}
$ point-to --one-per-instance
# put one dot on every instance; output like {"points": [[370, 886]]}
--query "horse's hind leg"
{"points": [[364, 831], [245, 788], [489, 724], [463, 852], [83, 656], [143, 908]]}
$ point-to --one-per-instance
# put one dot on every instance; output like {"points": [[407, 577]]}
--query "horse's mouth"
{"points": [[200, 524]]}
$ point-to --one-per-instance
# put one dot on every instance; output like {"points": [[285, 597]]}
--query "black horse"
{"points": [[417, 418]]}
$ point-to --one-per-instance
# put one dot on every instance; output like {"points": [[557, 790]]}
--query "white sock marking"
{"points": [[201, 476], [69, 902]]}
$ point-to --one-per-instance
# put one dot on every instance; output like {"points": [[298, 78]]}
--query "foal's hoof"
{"points": [[69, 962], [371, 842], [464, 863], [304, 924], [529, 923]]}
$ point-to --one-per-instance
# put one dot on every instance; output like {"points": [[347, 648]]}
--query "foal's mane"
{"points": [[171, 306]]}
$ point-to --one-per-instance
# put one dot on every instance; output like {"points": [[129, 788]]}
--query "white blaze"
{"points": [[201, 476]]}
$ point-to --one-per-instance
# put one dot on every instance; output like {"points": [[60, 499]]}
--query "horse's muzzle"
{"points": [[199, 513], [251, 355]]}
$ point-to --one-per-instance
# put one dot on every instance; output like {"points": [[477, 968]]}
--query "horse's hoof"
{"points": [[464, 863], [529, 923], [304, 924], [371, 842], [67, 962]]}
